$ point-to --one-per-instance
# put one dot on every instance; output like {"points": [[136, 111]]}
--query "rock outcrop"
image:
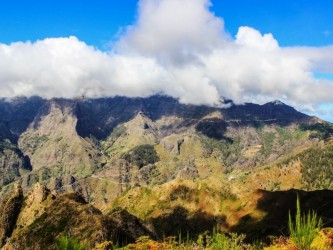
{"points": [[45, 217]]}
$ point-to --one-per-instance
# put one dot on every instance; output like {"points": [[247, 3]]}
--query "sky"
{"points": [[194, 50]]}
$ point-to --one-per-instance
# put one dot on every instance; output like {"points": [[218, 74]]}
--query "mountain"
{"points": [[155, 161], [79, 137]]}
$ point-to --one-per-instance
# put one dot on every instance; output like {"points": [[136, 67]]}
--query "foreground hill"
{"points": [[175, 167], [36, 220]]}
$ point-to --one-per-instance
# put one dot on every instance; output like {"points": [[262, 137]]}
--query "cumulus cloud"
{"points": [[176, 47], [174, 30]]}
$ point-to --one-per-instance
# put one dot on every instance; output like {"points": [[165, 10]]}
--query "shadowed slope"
{"points": [[276, 206]]}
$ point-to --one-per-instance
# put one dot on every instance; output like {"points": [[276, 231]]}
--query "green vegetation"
{"points": [[68, 243], [267, 139], [303, 229], [221, 241], [317, 168], [6, 144], [141, 155], [229, 151], [286, 134], [33, 142], [213, 128], [214, 241], [322, 131], [12, 163], [116, 133]]}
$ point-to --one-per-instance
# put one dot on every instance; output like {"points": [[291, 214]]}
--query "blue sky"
{"points": [[95, 22], [292, 22], [304, 26]]}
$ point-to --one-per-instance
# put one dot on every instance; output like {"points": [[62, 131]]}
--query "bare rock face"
{"points": [[172, 144], [10, 207], [38, 194]]}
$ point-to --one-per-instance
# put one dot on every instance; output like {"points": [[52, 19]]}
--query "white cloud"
{"points": [[176, 47], [172, 29], [252, 38]]}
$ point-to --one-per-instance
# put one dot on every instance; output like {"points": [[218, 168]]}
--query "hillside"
{"points": [[173, 167]]}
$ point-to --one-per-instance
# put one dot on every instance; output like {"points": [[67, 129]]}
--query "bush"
{"points": [[213, 128], [322, 131], [303, 229], [141, 155], [222, 242], [67, 243], [229, 151]]}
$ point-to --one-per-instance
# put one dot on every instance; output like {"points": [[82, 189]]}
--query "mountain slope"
{"points": [[44, 217], [79, 137], [161, 160]]}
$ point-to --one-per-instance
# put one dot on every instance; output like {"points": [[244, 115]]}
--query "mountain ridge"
{"points": [[153, 107], [31, 124]]}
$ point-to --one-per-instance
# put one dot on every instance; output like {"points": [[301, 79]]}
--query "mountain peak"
{"points": [[276, 102]]}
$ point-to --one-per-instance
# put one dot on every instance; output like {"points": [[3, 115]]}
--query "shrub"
{"points": [[68, 243], [322, 131], [221, 241], [213, 128], [304, 228], [141, 155]]}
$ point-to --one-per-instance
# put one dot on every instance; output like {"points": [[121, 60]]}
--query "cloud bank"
{"points": [[176, 47]]}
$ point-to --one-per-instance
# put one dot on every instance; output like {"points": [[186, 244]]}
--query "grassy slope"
{"points": [[228, 195]]}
